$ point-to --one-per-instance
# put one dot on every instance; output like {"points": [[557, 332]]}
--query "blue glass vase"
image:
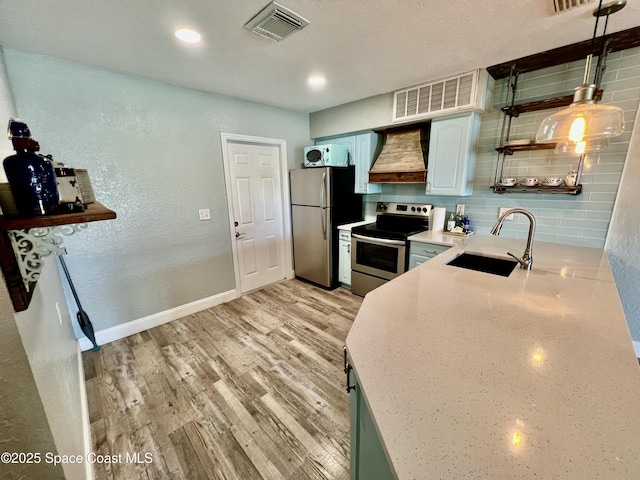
{"points": [[33, 183]]}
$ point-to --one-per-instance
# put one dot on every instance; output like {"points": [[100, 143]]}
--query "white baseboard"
{"points": [[141, 324], [86, 423], [636, 347]]}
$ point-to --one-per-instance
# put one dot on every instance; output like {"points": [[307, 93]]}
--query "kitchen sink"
{"points": [[481, 263]]}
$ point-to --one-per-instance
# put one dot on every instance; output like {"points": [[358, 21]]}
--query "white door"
{"points": [[255, 180]]}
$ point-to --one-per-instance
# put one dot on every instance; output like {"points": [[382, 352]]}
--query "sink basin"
{"points": [[481, 263]]}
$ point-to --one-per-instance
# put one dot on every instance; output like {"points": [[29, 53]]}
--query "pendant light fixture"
{"points": [[584, 122], [581, 148]]}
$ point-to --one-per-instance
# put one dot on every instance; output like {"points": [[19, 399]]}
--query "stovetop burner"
{"points": [[397, 221]]}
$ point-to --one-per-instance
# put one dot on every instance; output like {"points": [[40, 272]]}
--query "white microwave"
{"points": [[329, 155]]}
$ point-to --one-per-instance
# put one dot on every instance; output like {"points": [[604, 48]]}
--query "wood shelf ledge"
{"points": [[539, 189], [19, 285], [94, 212], [545, 104], [510, 149]]}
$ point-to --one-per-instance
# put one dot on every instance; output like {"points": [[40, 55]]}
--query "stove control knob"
{"points": [[413, 209]]}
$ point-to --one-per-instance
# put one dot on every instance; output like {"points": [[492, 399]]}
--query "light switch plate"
{"points": [[502, 210], [204, 214], [460, 209]]}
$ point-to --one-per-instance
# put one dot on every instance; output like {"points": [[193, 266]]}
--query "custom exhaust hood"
{"points": [[403, 158]]}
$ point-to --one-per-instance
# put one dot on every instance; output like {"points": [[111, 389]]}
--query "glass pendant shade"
{"points": [[582, 122], [579, 148]]}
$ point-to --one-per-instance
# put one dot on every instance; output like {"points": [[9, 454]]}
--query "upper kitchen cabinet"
{"points": [[467, 92], [362, 150], [452, 155]]}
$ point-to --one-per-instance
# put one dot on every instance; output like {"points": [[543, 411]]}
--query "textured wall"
{"points": [[365, 114], [23, 423], [622, 245], [7, 110], [153, 152], [52, 349]]}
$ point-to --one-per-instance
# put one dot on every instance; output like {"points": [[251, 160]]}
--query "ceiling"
{"points": [[363, 47]]}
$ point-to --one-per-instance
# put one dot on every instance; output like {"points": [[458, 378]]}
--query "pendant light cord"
{"points": [[597, 75], [595, 29]]}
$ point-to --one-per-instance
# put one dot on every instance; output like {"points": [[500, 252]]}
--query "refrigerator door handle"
{"points": [[322, 205], [323, 212], [322, 189]]}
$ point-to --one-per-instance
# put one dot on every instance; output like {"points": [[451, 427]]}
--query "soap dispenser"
{"points": [[451, 224]]}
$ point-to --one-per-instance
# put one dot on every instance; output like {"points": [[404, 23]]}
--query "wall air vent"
{"points": [[560, 6], [464, 92], [276, 22]]}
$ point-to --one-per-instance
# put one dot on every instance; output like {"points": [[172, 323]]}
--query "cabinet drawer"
{"points": [[344, 235], [415, 260], [428, 250]]}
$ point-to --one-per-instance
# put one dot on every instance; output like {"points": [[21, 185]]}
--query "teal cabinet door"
{"points": [[420, 252], [415, 260], [452, 155], [368, 458]]}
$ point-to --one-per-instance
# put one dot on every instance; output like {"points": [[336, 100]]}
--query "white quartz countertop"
{"points": [[349, 226], [440, 238], [473, 375]]}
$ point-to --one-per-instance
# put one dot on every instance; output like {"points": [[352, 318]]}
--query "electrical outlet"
{"points": [[504, 209], [460, 209], [204, 214]]}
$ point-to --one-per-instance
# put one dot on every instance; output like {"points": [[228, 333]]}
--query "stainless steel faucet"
{"points": [[527, 258]]}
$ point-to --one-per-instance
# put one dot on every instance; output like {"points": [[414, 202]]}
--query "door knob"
{"points": [[239, 235]]}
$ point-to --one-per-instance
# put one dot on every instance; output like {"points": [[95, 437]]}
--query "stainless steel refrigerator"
{"points": [[321, 199]]}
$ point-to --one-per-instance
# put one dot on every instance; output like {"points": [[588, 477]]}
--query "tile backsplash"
{"points": [[581, 219]]}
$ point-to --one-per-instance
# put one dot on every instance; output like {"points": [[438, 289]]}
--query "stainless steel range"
{"points": [[379, 250]]}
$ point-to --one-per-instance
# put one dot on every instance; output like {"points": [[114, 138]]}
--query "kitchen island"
{"points": [[472, 375]]}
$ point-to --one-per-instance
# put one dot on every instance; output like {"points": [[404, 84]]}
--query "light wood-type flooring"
{"points": [[251, 389]]}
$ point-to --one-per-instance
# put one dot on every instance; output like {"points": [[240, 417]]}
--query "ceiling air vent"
{"points": [[566, 5], [276, 22]]}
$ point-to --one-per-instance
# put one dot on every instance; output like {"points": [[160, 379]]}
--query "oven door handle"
{"points": [[381, 241]]}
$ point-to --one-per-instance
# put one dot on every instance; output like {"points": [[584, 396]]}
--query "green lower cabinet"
{"points": [[420, 252], [415, 260], [368, 458]]}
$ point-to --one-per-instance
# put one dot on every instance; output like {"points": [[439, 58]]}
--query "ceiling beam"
{"points": [[617, 41]]}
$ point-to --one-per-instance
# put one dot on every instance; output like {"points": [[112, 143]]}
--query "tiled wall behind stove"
{"points": [[574, 219]]}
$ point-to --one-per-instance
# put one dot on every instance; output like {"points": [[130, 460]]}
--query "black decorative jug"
{"points": [[31, 176]]}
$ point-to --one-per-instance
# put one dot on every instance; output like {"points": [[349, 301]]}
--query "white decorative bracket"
{"points": [[32, 245]]}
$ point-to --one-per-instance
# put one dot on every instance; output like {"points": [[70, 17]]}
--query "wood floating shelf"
{"points": [[21, 288], [622, 40], [562, 189], [509, 149], [95, 212], [537, 105]]}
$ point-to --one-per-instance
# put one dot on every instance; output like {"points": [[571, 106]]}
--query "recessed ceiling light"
{"points": [[188, 36], [316, 81]]}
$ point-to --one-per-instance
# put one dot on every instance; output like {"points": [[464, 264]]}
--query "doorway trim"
{"points": [[281, 144]]}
